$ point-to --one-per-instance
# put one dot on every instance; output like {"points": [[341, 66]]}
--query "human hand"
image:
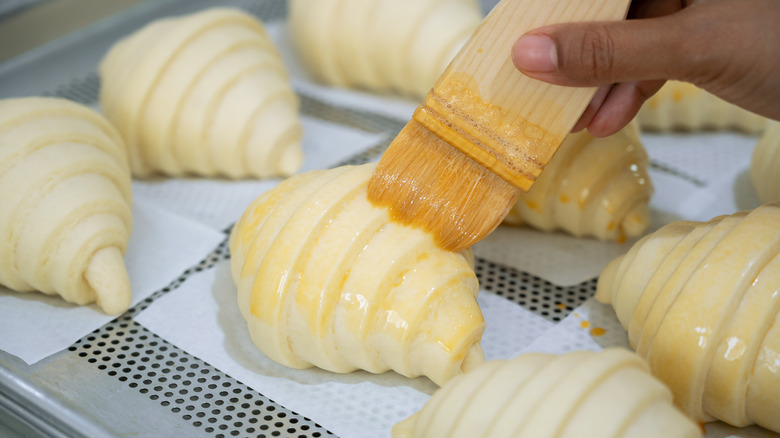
{"points": [[730, 48]]}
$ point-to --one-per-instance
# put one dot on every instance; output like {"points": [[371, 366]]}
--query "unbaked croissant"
{"points": [[592, 187], [326, 279], [682, 106], [700, 302], [65, 193], [204, 94], [606, 394], [381, 45], [765, 164]]}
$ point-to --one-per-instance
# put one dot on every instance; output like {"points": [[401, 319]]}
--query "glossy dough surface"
{"points": [[607, 394], [681, 106], [399, 46], [596, 187], [65, 188], [326, 279], [765, 164], [700, 302], [204, 94]]}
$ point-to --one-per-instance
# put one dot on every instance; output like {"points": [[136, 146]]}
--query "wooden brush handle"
{"points": [[486, 108]]}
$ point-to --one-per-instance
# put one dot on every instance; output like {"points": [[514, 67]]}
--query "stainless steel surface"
{"points": [[12, 7], [44, 21]]}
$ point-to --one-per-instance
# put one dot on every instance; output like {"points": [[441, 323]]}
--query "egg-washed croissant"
{"points": [[765, 164], [700, 302], [682, 106], [203, 94], [399, 46], [326, 279], [606, 394], [596, 187], [65, 193]]}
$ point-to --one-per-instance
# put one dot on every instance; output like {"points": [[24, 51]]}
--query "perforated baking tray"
{"points": [[123, 380]]}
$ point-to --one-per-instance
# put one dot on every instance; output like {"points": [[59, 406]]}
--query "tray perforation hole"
{"points": [[184, 385], [533, 293]]}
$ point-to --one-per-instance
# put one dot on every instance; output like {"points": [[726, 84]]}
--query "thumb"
{"points": [[601, 53]]}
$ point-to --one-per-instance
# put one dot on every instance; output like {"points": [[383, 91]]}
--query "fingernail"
{"points": [[535, 53]]}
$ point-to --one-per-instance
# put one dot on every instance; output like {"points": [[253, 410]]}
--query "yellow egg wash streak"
{"points": [[326, 279]]}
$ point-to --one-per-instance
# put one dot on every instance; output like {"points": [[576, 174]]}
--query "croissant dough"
{"points": [[765, 164], [65, 194], [592, 187], [579, 394], [381, 45], [700, 302], [203, 94], [326, 279], [685, 107]]}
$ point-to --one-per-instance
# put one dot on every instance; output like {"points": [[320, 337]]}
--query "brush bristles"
{"points": [[427, 183]]}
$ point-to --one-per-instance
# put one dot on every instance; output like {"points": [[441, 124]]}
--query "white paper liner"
{"points": [[162, 246], [357, 404]]}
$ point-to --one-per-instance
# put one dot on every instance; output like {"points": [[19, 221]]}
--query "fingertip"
{"points": [[605, 127], [581, 124], [593, 107], [620, 106]]}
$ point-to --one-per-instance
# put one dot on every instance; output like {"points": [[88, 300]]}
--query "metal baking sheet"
{"points": [[114, 380]]}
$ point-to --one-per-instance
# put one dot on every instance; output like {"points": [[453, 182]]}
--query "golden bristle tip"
{"points": [[429, 184]]}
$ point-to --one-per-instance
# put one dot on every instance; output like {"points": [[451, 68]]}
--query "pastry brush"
{"points": [[485, 130]]}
